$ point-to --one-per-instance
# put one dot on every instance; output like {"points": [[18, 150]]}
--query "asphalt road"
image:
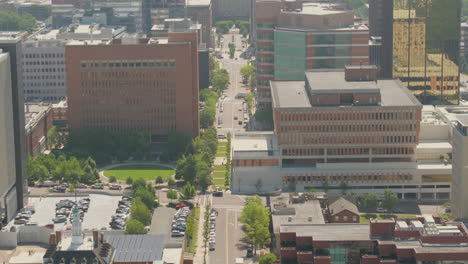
{"points": [[230, 103], [162, 222]]}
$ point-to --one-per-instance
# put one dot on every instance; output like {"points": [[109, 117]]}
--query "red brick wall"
{"points": [[254, 163], [322, 260], [172, 106], [428, 256], [370, 260], [304, 257], [386, 249], [378, 229], [36, 133], [341, 216]]}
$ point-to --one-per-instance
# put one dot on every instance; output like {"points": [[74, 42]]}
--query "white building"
{"points": [[430, 174]]}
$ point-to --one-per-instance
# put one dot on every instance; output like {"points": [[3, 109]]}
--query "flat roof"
{"points": [[302, 212], [319, 9], [289, 94], [253, 144], [197, 2], [330, 232], [137, 248]]}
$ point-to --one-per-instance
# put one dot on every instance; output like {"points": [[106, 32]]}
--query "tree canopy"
{"points": [[389, 200], [256, 219], [269, 258], [135, 227], [11, 21]]}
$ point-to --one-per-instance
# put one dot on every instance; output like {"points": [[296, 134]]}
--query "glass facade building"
{"points": [[425, 48]]}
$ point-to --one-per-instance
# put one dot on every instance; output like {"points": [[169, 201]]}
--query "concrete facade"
{"points": [[201, 11], [10, 42], [8, 200], [134, 83], [380, 139], [231, 9]]}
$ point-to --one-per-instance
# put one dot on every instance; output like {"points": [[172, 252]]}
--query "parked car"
{"points": [[50, 226], [381, 210], [218, 193], [81, 186], [99, 186], [115, 187], [249, 253], [59, 219], [21, 221], [212, 246]]}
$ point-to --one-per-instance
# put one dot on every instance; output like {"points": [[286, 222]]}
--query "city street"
{"points": [[231, 105]]}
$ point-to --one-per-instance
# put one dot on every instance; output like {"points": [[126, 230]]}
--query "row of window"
{"points": [[347, 178], [297, 139], [130, 64], [44, 62], [45, 84], [43, 77], [48, 91], [130, 84], [345, 151], [124, 75], [348, 116], [348, 128], [43, 55]]}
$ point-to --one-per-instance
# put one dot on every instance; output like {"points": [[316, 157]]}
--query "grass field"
{"points": [[219, 174], [219, 167], [224, 144], [218, 181], [220, 154], [145, 171]]}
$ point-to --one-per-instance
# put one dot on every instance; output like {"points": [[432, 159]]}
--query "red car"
{"points": [[180, 206]]}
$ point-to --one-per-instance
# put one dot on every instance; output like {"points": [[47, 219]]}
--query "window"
{"points": [[345, 218], [337, 218]]}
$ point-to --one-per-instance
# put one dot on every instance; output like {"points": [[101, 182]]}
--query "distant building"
{"points": [[231, 9], [39, 120], [146, 84], [464, 39], [421, 240], [136, 249], [201, 11], [420, 46], [346, 127], [293, 37], [10, 42]]}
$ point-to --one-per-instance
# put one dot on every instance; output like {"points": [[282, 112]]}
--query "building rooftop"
{"points": [[137, 248], [34, 113], [330, 232], [284, 212], [339, 205], [197, 3], [26, 254], [254, 144], [319, 9], [293, 94], [289, 94], [12, 36]]}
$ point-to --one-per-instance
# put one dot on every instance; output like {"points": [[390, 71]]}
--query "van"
{"points": [[48, 184]]}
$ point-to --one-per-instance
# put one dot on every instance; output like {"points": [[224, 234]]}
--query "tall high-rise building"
{"points": [[12, 116], [145, 84], [420, 45], [200, 11], [293, 37]]}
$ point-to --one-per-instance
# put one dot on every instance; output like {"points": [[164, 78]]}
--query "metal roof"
{"points": [[130, 248]]}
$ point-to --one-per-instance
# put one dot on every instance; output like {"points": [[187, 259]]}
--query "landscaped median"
{"points": [[221, 172], [191, 231]]}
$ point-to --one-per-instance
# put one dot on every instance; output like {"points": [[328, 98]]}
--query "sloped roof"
{"points": [[341, 204]]}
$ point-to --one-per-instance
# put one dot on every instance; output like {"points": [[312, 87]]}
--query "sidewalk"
{"points": [[200, 251]]}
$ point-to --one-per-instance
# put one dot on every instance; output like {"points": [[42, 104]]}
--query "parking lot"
{"points": [[162, 222], [101, 209]]}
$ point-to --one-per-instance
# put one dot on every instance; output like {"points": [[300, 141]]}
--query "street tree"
{"points": [[140, 211], [159, 180], [135, 227], [390, 200], [269, 258], [256, 219], [172, 194], [188, 192], [203, 175], [369, 200], [247, 72]]}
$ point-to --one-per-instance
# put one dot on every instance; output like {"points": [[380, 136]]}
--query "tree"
{"points": [[138, 183], [140, 212], [249, 101], [172, 194], [203, 175], [178, 144], [52, 137], [369, 200], [135, 227], [159, 180], [390, 200], [11, 21], [186, 168], [171, 182], [129, 180], [36, 171], [256, 219], [146, 195], [269, 258], [325, 186], [344, 187], [112, 179], [188, 192], [232, 50], [247, 72], [220, 80]]}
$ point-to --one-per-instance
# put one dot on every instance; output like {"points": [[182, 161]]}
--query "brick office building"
{"points": [[39, 120], [292, 37], [422, 241], [142, 84]]}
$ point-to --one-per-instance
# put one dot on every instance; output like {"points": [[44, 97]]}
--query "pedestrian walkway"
{"points": [[200, 251]]}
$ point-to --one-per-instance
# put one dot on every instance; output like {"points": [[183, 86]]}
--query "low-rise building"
{"points": [[342, 210], [422, 240], [39, 120]]}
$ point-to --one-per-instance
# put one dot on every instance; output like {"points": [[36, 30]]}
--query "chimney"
{"points": [[95, 238], [58, 236], [52, 240]]}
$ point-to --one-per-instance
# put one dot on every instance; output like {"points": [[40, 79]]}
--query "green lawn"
{"points": [[365, 218], [218, 181], [220, 154], [219, 174], [221, 149], [224, 144], [145, 171], [220, 168]]}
